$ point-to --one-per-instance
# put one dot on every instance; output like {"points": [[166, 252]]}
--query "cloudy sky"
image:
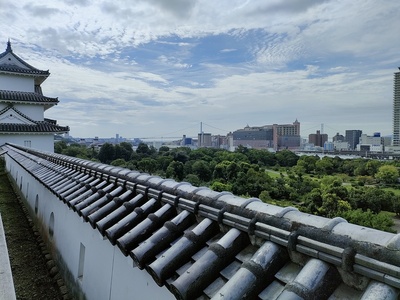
{"points": [[157, 68]]}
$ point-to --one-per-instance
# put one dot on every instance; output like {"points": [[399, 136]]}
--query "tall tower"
{"points": [[396, 110]]}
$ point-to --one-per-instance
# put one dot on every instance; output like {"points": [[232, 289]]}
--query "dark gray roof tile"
{"points": [[130, 221], [146, 252], [204, 271], [377, 290], [105, 210], [204, 244], [39, 127], [214, 288], [119, 212], [153, 221], [31, 97], [182, 251], [272, 291]]}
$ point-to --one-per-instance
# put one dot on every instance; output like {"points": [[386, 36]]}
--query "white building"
{"points": [[22, 105], [370, 143], [341, 145]]}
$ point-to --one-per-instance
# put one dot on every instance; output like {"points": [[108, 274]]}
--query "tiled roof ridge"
{"points": [[368, 251], [26, 96], [31, 68]]}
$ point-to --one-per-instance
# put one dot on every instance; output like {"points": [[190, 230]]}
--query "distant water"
{"points": [[321, 155]]}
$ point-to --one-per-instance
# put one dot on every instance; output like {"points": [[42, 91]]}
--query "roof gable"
{"points": [[11, 115], [12, 121]]}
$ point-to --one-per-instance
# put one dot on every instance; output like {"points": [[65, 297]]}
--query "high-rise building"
{"points": [[396, 110], [287, 136], [254, 137], [353, 138], [204, 140], [318, 138], [276, 136]]}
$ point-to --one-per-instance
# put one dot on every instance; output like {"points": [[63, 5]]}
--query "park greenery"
{"points": [[363, 191]]}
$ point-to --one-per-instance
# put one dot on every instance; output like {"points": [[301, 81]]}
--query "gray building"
{"points": [[338, 138], [318, 138], [254, 137], [353, 138]]}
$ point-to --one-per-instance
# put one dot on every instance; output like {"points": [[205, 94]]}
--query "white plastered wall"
{"points": [[107, 273], [44, 142]]}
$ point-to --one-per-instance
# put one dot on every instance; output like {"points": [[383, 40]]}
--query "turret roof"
{"points": [[14, 64]]}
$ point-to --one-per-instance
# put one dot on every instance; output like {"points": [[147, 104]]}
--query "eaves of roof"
{"points": [[39, 127], [18, 70], [203, 244], [17, 96]]}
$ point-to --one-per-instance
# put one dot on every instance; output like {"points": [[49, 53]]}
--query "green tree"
{"points": [[123, 150], [265, 196], [202, 169], [163, 162], [387, 174], [163, 150], [251, 183], [261, 157], [119, 162], [193, 179], [221, 187], [371, 167], [175, 170], [326, 165], [143, 149], [307, 163], [60, 146], [396, 205], [106, 153], [381, 221], [286, 158], [148, 165], [76, 150]]}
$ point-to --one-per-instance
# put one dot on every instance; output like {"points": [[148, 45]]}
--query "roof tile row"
{"points": [[208, 245], [26, 97], [39, 127]]}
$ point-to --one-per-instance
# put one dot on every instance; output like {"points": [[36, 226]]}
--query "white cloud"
{"points": [[142, 68]]}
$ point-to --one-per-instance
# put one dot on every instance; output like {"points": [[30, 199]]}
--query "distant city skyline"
{"points": [[159, 68]]}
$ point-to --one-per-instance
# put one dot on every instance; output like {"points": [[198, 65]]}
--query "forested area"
{"points": [[365, 192]]}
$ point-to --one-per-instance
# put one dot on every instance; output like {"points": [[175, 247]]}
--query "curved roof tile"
{"points": [[203, 244], [39, 127], [26, 97]]}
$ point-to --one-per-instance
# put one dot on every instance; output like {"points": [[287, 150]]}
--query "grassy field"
{"points": [[273, 174], [395, 191]]}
